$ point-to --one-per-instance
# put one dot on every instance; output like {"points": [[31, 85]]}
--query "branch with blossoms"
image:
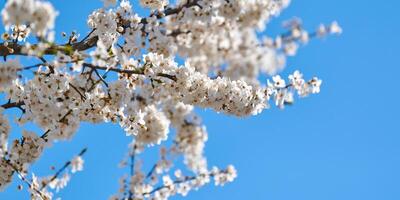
{"points": [[289, 42], [38, 186], [158, 181], [124, 72]]}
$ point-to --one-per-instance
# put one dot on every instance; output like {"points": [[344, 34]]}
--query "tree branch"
{"points": [[13, 105], [138, 71], [22, 177], [88, 42], [83, 151]]}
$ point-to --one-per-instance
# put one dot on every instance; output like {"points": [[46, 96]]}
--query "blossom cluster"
{"points": [[283, 93], [56, 182], [8, 73], [289, 42], [6, 171], [127, 71], [162, 182], [221, 94], [154, 4], [39, 15]]}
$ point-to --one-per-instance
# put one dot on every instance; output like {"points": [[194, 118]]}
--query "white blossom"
{"points": [[6, 172], [221, 177], [335, 28], [8, 72], [4, 133], [60, 183], [77, 164], [27, 151], [156, 127], [105, 25], [278, 81], [39, 14], [315, 85], [154, 4]]}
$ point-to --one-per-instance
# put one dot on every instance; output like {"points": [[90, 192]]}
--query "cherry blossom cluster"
{"points": [[8, 73], [283, 93], [39, 15], [221, 94], [4, 132], [289, 42], [128, 70], [38, 186], [154, 4], [161, 181], [190, 137]]}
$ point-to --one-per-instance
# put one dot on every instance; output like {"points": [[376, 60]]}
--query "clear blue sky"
{"points": [[342, 144]]}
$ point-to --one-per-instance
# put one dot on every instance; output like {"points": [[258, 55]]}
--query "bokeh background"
{"points": [[342, 144]]}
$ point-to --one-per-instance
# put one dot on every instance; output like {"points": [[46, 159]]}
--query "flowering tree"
{"points": [[124, 72]]}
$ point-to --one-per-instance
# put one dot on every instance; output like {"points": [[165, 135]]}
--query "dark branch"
{"points": [[88, 42], [13, 105], [138, 71], [83, 151]]}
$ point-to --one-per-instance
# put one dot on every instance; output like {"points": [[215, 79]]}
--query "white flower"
{"points": [[296, 79], [315, 85], [43, 17], [305, 37], [167, 181], [60, 183], [154, 4], [106, 26], [291, 48], [39, 14], [77, 164], [335, 28], [278, 82], [295, 76], [322, 30], [231, 173], [17, 12], [29, 150], [156, 127], [221, 177]]}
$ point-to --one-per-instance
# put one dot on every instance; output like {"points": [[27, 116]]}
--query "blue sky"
{"points": [[342, 144]]}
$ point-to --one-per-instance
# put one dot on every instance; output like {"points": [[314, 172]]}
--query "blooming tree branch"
{"points": [[124, 72]]}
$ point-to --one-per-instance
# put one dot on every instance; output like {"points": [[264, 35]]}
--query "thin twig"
{"points": [[32, 66], [186, 179], [25, 180], [101, 77], [83, 97], [128, 71], [132, 169], [88, 35], [67, 164], [150, 173]]}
